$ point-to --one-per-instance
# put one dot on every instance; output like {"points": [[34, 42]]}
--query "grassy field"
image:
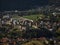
{"points": [[33, 17]]}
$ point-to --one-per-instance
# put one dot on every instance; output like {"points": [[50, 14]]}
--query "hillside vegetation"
{"points": [[33, 42]]}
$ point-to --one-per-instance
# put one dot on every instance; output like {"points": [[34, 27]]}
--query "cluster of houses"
{"points": [[25, 24], [21, 23]]}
